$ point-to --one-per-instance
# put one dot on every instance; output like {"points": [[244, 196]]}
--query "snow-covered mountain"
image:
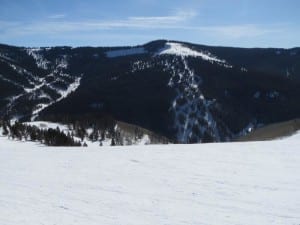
{"points": [[36, 82], [186, 92]]}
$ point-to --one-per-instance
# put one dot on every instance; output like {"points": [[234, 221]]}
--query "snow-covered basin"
{"points": [[213, 184]]}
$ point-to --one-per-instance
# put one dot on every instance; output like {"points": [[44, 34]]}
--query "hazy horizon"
{"points": [[232, 23], [140, 44]]}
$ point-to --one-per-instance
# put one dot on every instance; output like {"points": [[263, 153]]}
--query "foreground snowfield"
{"points": [[211, 184]]}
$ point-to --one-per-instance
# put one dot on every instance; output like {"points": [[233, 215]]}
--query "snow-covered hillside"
{"points": [[220, 184], [178, 49], [38, 88], [185, 92], [126, 137]]}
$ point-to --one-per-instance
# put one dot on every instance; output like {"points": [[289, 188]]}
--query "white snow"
{"points": [[41, 62], [62, 63], [63, 94], [71, 88], [140, 65], [145, 140], [127, 140], [36, 89], [172, 48], [219, 184], [295, 137], [125, 52], [190, 103]]}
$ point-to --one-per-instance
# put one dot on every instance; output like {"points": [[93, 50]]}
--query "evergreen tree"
{"points": [[5, 130], [113, 143]]}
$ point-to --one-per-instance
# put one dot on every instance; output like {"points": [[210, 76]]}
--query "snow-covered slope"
{"points": [[39, 59], [125, 136], [62, 93], [220, 184], [186, 92], [39, 86], [178, 49], [295, 137]]}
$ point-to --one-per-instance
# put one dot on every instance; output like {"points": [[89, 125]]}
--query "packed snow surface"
{"points": [[172, 48], [211, 184]]}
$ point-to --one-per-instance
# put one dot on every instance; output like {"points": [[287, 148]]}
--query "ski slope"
{"points": [[209, 184], [173, 48]]}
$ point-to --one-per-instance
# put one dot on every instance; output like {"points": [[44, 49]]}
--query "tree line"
{"points": [[50, 137]]}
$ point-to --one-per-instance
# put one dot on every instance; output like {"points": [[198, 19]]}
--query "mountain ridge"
{"points": [[150, 42], [186, 92]]}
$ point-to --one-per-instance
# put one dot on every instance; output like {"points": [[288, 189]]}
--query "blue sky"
{"points": [[242, 23]]}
